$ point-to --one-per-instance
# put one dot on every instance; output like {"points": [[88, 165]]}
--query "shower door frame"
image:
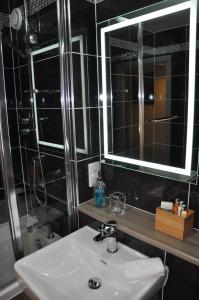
{"points": [[68, 112]]}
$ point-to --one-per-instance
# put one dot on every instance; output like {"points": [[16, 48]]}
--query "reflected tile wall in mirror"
{"points": [[165, 88]]}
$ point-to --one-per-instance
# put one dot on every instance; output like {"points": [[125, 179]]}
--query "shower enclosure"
{"points": [[38, 186]]}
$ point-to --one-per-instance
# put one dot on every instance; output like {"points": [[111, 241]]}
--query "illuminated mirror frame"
{"points": [[79, 39], [192, 6]]}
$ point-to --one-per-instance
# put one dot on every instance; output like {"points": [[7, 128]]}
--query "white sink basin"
{"points": [[62, 270]]}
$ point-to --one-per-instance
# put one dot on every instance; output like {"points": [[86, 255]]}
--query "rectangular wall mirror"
{"points": [[148, 60], [45, 121]]}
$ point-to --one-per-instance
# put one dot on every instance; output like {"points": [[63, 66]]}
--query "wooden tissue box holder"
{"points": [[174, 225]]}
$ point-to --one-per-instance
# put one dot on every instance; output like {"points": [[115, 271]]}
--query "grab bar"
{"points": [[162, 119]]}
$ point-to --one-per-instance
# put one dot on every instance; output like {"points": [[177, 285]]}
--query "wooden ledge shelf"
{"points": [[141, 225]]}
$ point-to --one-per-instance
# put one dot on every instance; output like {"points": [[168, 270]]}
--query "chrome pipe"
{"points": [[26, 23], [67, 106], [141, 90]]}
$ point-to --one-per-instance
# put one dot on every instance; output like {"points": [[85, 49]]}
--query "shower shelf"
{"points": [[50, 178], [36, 91], [40, 184]]}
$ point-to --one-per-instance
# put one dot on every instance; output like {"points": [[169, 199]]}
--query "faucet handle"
{"points": [[106, 227]]}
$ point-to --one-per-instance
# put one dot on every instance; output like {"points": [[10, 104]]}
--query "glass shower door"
{"points": [[7, 257], [10, 235]]}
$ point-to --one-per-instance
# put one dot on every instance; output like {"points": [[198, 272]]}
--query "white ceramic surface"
{"points": [[61, 271]]}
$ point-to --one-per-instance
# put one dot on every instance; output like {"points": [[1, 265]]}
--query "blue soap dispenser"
{"points": [[99, 192]]}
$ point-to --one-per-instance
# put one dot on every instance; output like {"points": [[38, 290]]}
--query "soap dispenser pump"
{"points": [[99, 192]]}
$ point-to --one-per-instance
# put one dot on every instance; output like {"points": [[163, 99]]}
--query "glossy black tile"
{"points": [[179, 63], [145, 196], [47, 74], [122, 140], [124, 87], [7, 53], [82, 26], [122, 114], [10, 88], [50, 126], [176, 138], [47, 18], [79, 124], [22, 79], [21, 199], [45, 55], [17, 167], [183, 280], [94, 132], [171, 37], [13, 127], [178, 90], [194, 203], [113, 8]]}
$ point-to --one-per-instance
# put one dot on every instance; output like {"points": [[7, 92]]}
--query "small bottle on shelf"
{"points": [[99, 192], [184, 212], [180, 206], [175, 206]]}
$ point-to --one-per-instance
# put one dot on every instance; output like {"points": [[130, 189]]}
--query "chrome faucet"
{"points": [[108, 231]]}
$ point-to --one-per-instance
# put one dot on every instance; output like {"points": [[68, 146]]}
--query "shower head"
{"points": [[16, 18]]}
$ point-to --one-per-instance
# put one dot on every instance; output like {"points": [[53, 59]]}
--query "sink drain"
{"points": [[94, 283]]}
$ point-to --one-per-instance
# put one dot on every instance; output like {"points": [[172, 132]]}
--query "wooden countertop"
{"points": [[140, 224]]}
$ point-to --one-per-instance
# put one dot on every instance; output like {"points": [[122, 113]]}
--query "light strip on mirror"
{"points": [[192, 5], [79, 39], [191, 83]]}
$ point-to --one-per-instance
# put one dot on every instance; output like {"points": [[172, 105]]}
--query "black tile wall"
{"points": [[183, 280], [112, 8], [145, 196], [17, 166], [13, 127], [22, 81], [48, 33], [84, 25], [10, 88], [21, 199]]}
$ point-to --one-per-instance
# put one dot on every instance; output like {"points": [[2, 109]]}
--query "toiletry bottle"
{"points": [[99, 192], [175, 206], [180, 206], [184, 212]]}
